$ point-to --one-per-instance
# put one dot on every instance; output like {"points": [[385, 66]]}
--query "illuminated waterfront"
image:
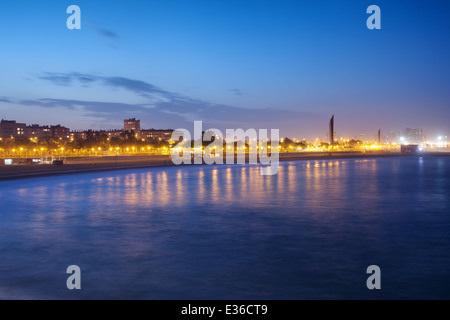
{"points": [[226, 232]]}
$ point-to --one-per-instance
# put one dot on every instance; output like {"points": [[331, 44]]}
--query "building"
{"points": [[60, 132], [12, 129], [413, 148], [394, 137], [413, 136], [331, 133], [165, 135], [78, 135], [132, 125], [36, 131], [82, 135], [112, 133]]}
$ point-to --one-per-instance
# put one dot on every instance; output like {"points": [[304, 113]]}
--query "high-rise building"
{"points": [[413, 136], [331, 133], [132, 125]]}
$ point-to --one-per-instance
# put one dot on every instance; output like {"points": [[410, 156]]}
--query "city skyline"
{"points": [[286, 65], [15, 129]]}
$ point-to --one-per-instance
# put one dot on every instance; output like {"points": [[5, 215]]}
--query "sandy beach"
{"points": [[96, 164]]}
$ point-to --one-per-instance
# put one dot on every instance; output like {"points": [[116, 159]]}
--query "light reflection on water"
{"points": [[226, 232]]}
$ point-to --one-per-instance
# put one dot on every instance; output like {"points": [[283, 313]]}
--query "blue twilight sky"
{"points": [[287, 64]]}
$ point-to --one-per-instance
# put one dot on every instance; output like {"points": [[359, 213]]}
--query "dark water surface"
{"points": [[225, 232]]}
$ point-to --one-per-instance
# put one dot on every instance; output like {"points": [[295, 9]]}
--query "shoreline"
{"points": [[101, 164]]}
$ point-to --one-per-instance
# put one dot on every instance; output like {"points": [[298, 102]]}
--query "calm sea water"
{"points": [[225, 232]]}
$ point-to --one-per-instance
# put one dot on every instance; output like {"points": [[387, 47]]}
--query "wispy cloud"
{"points": [[6, 100], [139, 87], [113, 111], [95, 106], [68, 79], [236, 92], [59, 79], [107, 33], [169, 107]]}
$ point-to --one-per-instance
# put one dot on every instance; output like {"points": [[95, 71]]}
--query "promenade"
{"points": [[96, 164]]}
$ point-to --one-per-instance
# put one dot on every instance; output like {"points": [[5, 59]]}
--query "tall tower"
{"points": [[331, 135], [133, 125], [379, 136]]}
